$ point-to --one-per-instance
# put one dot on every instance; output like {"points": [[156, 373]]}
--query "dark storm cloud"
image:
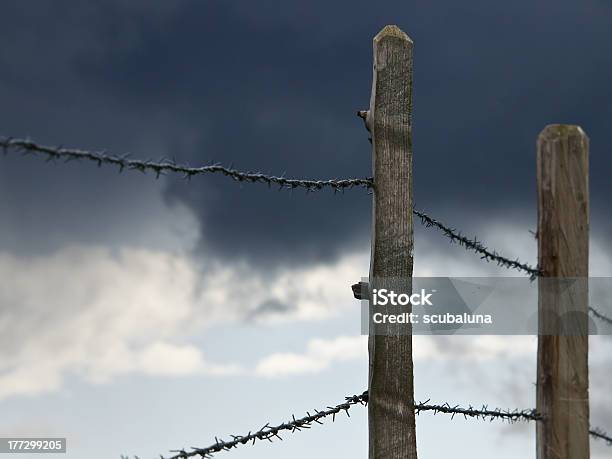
{"points": [[42, 95], [273, 86]]}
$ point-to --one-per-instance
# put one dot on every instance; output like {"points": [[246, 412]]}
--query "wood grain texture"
{"points": [[391, 418], [563, 252]]}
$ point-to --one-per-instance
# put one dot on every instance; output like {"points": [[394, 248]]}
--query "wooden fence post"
{"points": [[563, 251], [391, 418]]}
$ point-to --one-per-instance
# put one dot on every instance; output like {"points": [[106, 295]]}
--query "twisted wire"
{"points": [[270, 433], [476, 246], [483, 413], [165, 165], [601, 435], [600, 316]]}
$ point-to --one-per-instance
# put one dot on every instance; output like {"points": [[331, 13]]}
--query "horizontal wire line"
{"points": [[482, 413], [476, 246], [601, 435], [492, 255], [600, 315], [166, 165], [270, 433]]}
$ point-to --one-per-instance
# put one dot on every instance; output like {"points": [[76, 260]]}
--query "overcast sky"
{"points": [[139, 315]]}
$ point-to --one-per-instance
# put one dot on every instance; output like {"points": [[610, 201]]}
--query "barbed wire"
{"points": [[600, 434], [483, 413], [600, 315], [166, 165], [270, 433], [476, 246], [491, 255]]}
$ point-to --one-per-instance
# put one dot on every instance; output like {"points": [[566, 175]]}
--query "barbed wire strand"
{"points": [[492, 255], [483, 413], [270, 433], [476, 246], [601, 435], [166, 165], [600, 315]]}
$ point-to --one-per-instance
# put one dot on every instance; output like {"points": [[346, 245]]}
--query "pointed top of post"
{"points": [[392, 31], [555, 131]]}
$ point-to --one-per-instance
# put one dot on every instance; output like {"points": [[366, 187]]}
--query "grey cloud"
{"points": [[268, 308]]}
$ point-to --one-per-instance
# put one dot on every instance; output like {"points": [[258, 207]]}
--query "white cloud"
{"points": [[100, 313], [97, 314], [472, 348], [319, 291], [321, 354]]}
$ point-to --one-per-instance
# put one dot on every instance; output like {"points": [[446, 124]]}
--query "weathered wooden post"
{"points": [[563, 252], [392, 433]]}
